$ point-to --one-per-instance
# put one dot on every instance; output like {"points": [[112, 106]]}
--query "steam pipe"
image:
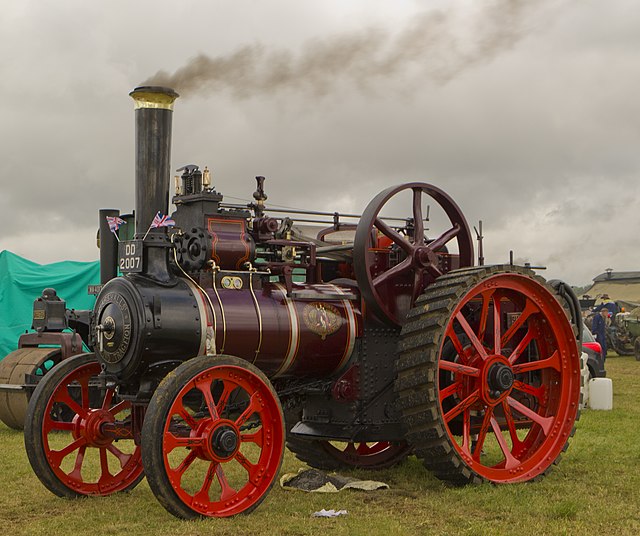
{"points": [[311, 212]]}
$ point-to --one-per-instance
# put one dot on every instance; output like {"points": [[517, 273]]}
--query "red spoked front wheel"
{"points": [[504, 376], [213, 438], [78, 435]]}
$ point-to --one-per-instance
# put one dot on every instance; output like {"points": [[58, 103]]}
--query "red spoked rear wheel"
{"points": [[213, 438], [376, 455], [78, 436], [505, 376], [336, 455]]}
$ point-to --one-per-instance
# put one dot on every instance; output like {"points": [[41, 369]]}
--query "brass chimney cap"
{"points": [[154, 97]]}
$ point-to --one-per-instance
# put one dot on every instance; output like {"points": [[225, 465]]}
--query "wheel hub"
{"points": [[224, 441], [90, 427], [500, 377], [425, 257], [497, 380]]}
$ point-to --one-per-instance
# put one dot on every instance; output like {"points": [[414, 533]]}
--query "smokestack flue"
{"points": [[430, 45], [154, 111]]}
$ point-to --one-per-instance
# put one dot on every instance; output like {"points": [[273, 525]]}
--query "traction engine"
{"points": [[233, 330]]}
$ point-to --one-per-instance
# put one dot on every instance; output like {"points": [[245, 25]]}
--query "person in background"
{"points": [[598, 328], [609, 304]]}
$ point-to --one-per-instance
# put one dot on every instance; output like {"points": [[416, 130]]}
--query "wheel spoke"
{"points": [[484, 313], [418, 225], [394, 235], [120, 406], [186, 417], [251, 468], [529, 309], [256, 437], [254, 406], [522, 346], [104, 466], [351, 449], [172, 442], [65, 398], [226, 490], [510, 460], [465, 404], [184, 464], [58, 455], [108, 397], [472, 336], [545, 422], [77, 466], [538, 392], [418, 284], [445, 237], [203, 494], [453, 336], [84, 392], [227, 389], [204, 386], [122, 457], [395, 271], [497, 324], [459, 368], [466, 431], [60, 425], [450, 390], [511, 425], [482, 434], [550, 362]]}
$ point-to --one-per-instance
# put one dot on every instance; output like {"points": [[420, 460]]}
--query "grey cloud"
{"points": [[527, 118]]}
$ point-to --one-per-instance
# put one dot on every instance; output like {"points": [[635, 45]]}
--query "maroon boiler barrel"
{"points": [[313, 336]]}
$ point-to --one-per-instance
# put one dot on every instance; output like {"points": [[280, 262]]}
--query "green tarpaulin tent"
{"points": [[22, 281]]}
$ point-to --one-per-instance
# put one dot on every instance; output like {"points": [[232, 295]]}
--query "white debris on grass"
{"points": [[330, 513]]}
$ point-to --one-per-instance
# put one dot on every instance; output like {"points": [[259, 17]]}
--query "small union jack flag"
{"points": [[162, 221], [115, 223]]}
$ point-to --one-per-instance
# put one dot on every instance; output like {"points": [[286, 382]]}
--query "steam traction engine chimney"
{"points": [[154, 113]]}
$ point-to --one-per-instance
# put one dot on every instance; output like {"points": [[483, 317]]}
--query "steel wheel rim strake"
{"points": [[508, 378], [92, 461], [222, 441]]}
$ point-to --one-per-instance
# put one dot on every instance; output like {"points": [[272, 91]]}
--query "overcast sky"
{"points": [[527, 114]]}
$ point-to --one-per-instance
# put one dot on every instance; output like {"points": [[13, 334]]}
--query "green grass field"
{"points": [[594, 490]]}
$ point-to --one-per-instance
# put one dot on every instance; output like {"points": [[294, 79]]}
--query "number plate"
{"points": [[130, 256]]}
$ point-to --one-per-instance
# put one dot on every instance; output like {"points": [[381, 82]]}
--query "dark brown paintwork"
{"points": [[282, 317]]}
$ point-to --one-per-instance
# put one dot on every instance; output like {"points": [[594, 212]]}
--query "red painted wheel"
{"points": [[213, 438], [78, 436], [491, 355], [336, 455], [374, 455], [392, 277]]}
